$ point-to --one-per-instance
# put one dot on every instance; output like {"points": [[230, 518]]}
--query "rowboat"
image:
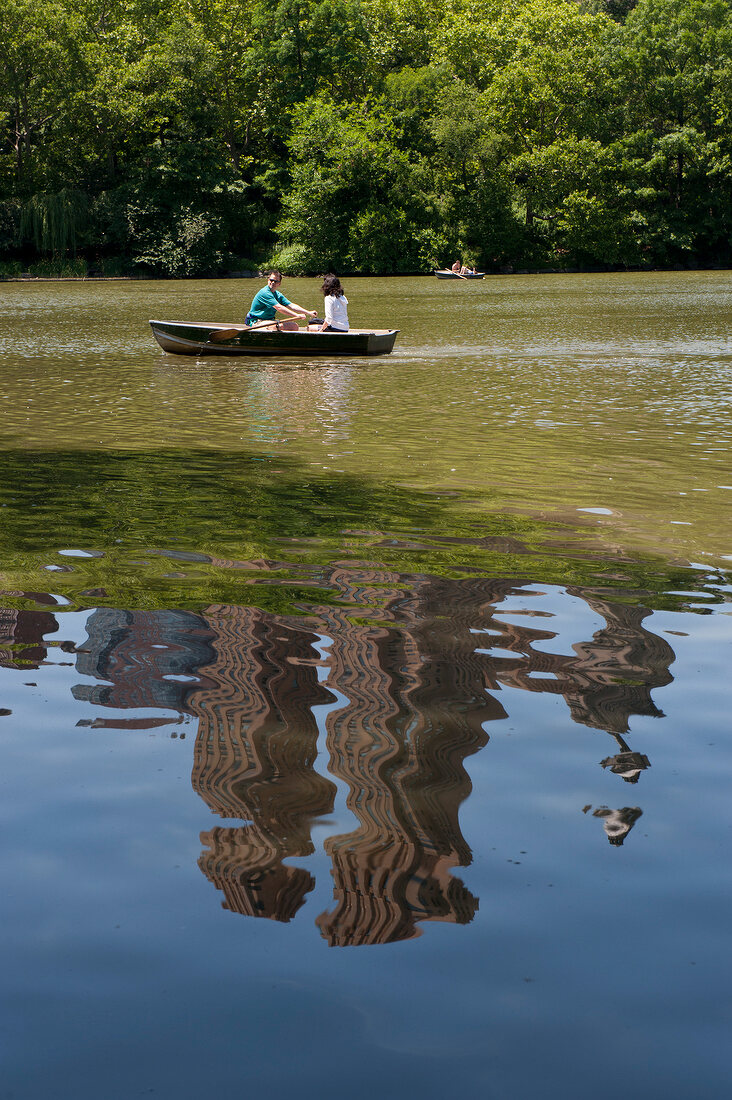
{"points": [[214, 338], [445, 274]]}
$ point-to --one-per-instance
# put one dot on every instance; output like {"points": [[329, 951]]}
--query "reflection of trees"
{"points": [[410, 671]]}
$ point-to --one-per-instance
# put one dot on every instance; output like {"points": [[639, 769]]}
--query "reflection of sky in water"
{"points": [[110, 916]]}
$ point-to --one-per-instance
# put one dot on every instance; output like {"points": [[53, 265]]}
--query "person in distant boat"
{"points": [[467, 270], [334, 304], [269, 301], [456, 267]]}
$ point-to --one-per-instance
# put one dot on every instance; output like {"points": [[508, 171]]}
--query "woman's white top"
{"points": [[336, 313]]}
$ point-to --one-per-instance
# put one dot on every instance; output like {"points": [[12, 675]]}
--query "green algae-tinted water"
{"points": [[365, 724]]}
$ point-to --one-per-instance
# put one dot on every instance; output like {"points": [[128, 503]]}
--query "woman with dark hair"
{"points": [[335, 302]]}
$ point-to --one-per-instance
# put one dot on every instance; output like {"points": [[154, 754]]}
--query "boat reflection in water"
{"points": [[404, 692]]}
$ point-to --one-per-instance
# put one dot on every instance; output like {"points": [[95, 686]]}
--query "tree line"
{"points": [[192, 137]]}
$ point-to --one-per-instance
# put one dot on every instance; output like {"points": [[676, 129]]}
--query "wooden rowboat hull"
{"points": [[452, 275], [200, 338]]}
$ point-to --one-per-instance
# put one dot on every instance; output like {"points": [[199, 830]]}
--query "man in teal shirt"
{"points": [[269, 300]]}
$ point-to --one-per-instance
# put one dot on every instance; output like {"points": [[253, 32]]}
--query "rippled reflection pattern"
{"points": [[401, 697]]}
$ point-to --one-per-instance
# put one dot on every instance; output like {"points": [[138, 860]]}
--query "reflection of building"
{"points": [[606, 681], [254, 758], [407, 672], [621, 665], [252, 877], [22, 633], [412, 715], [148, 659]]}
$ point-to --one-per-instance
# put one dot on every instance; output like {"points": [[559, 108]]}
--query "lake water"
{"points": [[365, 724]]}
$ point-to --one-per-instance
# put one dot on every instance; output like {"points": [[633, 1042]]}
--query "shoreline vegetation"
{"points": [[142, 139], [143, 277]]}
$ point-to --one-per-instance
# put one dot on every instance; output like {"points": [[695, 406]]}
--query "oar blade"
{"points": [[223, 334]]}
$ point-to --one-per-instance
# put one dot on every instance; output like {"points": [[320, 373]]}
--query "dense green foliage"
{"points": [[185, 137]]}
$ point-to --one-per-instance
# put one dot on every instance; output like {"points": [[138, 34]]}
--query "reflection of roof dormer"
{"points": [[618, 823], [629, 765], [626, 763]]}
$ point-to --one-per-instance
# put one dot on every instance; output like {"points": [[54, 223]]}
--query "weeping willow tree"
{"points": [[53, 222]]}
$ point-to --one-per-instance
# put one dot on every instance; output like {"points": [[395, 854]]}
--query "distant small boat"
{"points": [[213, 338], [445, 274]]}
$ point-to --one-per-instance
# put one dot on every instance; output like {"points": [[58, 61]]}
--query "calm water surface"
{"points": [[366, 723]]}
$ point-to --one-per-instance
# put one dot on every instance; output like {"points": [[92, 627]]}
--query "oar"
{"points": [[223, 334], [278, 320]]}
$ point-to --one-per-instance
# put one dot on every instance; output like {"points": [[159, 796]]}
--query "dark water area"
{"points": [[334, 760]]}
